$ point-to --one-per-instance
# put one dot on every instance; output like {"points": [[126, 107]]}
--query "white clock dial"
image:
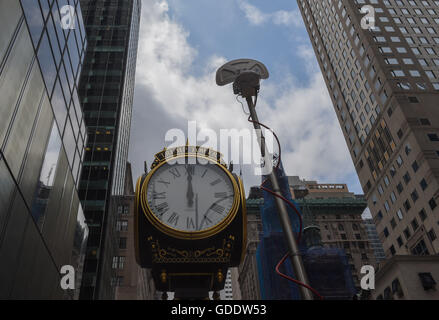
{"points": [[190, 197]]}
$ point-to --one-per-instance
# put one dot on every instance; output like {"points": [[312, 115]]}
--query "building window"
{"points": [[420, 249], [386, 232], [122, 225], [432, 235], [115, 260], [407, 206], [414, 195], [427, 280], [396, 288], [392, 250], [423, 184], [399, 214], [432, 204], [406, 178], [119, 281], [399, 187], [423, 214], [433, 137], [121, 262], [122, 243], [407, 233], [415, 224], [415, 166]]}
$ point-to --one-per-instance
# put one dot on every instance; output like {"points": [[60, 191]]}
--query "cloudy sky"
{"points": [[183, 43]]}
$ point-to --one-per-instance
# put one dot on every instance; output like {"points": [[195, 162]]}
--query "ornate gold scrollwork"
{"points": [[174, 255]]}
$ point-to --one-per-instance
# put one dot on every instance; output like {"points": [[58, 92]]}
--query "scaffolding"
{"points": [[327, 268]]}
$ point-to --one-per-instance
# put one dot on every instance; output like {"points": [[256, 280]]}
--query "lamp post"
{"points": [[245, 74]]}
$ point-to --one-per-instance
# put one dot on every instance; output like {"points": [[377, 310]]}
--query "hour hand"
{"points": [[190, 191]]}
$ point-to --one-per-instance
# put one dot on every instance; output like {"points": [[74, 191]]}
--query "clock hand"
{"points": [[216, 202], [196, 211], [190, 192]]}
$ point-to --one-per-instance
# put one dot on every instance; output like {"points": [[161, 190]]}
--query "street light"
{"points": [[246, 74]]}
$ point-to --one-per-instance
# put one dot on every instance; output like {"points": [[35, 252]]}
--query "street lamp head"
{"points": [[245, 74]]}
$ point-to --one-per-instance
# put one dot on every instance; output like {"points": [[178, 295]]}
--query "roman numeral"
{"points": [[175, 173], [162, 208], [173, 219], [214, 183], [166, 183], [204, 173], [159, 195], [217, 208], [205, 219], [220, 195], [190, 170], [190, 224]]}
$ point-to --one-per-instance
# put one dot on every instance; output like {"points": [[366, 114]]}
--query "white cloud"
{"points": [[253, 14], [282, 17], [168, 96]]}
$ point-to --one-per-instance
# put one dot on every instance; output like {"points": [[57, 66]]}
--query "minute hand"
{"points": [[212, 205]]}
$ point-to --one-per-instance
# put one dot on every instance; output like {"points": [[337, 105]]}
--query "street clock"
{"points": [[190, 220]]}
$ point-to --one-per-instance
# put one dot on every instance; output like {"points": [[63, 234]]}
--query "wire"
{"points": [[290, 204], [242, 105], [294, 280]]}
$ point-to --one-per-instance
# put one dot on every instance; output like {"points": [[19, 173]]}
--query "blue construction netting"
{"points": [[327, 268]]}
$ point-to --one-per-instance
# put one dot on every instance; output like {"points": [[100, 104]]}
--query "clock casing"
{"points": [[179, 255]]}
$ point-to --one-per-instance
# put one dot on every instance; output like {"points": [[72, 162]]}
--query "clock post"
{"points": [[190, 221]]}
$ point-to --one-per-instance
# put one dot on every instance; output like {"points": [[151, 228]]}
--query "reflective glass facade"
{"points": [[42, 137], [106, 92]]}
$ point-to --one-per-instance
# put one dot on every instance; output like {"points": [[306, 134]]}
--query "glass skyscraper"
{"points": [[106, 92], [42, 137]]}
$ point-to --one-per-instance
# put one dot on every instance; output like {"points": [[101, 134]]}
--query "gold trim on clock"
{"points": [[244, 220], [194, 235], [136, 222]]}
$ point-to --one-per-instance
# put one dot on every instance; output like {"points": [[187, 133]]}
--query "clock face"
{"points": [[190, 197]]}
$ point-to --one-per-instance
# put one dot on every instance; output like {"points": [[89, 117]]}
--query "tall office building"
{"points": [[131, 281], [106, 92], [248, 274], [336, 213], [42, 134], [374, 240], [384, 84]]}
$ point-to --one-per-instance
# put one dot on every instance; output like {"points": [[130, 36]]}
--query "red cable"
{"points": [[299, 236], [294, 280]]}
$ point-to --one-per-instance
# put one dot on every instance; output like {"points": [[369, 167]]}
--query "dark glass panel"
{"points": [[59, 106], [34, 19], [47, 63], [47, 177]]}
